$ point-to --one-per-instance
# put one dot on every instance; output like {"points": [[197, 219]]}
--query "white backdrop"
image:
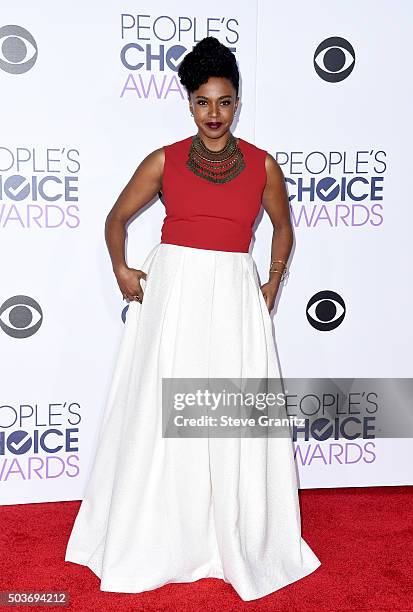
{"points": [[86, 95]]}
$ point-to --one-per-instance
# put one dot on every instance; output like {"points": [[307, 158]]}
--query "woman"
{"points": [[161, 509]]}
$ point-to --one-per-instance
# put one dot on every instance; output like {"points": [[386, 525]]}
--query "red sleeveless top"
{"points": [[205, 215]]}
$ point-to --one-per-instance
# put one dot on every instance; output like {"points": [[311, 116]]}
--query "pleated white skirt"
{"points": [[158, 509]]}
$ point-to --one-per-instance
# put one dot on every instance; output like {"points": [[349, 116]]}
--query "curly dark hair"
{"points": [[209, 58]]}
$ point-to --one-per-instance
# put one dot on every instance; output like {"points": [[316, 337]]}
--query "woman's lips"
{"points": [[214, 125]]}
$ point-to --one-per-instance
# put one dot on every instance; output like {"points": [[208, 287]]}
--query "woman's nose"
{"points": [[213, 111]]}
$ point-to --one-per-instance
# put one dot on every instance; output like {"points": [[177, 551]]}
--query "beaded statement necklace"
{"points": [[215, 166]]}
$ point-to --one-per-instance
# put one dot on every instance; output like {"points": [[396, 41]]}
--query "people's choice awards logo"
{"points": [[152, 48], [20, 316], [39, 187], [18, 49], [336, 187], [334, 59], [326, 310], [39, 440]]}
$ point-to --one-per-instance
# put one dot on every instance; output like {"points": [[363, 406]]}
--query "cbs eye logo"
{"points": [[334, 59], [20, 316], [124, 313], [18, 49], [325, 310]]}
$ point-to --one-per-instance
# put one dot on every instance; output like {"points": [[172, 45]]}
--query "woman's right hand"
{"points": [[129, 283]]}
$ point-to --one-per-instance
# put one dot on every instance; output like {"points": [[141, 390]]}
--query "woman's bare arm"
{"points": [[144, 184], [275, 202]]}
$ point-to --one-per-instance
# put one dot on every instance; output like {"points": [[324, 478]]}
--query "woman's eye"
{"points": [[225, 102]]}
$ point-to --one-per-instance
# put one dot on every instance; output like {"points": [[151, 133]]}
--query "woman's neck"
{"points": [[215, 144]]}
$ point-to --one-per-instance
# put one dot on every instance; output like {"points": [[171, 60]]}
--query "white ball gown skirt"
{"points": [[159, 509]]}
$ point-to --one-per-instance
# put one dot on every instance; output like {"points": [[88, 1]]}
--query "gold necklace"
{"points": [[215, 166]]}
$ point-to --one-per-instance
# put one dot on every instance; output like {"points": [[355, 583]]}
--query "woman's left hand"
{"points": [[269, 291]]}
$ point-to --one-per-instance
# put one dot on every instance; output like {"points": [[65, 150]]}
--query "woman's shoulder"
{"points": [[182, 143], [253, 148]]}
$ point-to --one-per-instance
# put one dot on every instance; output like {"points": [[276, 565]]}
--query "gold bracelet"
{"points": [[282, 272], [278, 260]]}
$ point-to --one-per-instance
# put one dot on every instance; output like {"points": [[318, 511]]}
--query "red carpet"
{"points": [[363, 537]]}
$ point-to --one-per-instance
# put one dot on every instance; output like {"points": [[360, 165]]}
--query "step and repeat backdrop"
{"points": [[86, 94]]}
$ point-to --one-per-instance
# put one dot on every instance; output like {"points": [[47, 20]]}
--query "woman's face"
{"points": [[213, 105]]}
